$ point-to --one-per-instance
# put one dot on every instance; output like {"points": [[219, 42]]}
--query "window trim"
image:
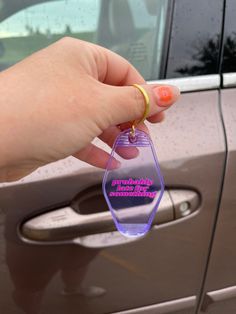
{"points": [[165, 307], [167, 39], [193, 83], [229, 79]]}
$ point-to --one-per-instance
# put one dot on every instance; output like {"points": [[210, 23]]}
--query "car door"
{"points": [[220, 286], [60, 252]]}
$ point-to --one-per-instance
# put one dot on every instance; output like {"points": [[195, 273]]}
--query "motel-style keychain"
{"points": [[133, 190]]}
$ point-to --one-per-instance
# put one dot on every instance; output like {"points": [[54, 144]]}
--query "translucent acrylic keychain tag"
{"points": [[134, 190]]}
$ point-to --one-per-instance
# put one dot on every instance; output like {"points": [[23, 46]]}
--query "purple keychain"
{"points": [[134, 190]]}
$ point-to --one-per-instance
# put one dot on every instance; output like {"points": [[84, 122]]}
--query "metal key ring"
{"points": [[146, 111]]}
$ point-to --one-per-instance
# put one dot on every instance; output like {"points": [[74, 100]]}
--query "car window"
{"points": [[113, 24], [38, 26], [229, 56], [195, 38], [140, 40]]}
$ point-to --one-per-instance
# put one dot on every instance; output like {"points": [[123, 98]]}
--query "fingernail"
{"points": [[166, 94]]}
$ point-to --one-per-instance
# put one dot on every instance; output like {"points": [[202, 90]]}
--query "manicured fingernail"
{"points": [[166, 94]]}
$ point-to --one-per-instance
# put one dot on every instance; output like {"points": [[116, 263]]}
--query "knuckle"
{"points": [[66, 40], [69, 42]]}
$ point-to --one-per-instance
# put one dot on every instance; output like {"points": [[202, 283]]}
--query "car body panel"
{"points": [[221, 270], [166, 265]]}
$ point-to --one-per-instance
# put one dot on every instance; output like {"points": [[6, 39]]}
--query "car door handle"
{"points": [[68, 223]]}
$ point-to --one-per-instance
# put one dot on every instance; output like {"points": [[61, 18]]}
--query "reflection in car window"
{"points": [[38, 26], [133, 28], [195, 38], [229, 56]]}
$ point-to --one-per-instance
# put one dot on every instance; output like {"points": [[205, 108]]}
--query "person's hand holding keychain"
{"points": [[55, 102]]}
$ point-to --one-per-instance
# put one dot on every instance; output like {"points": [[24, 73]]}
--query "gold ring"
{"points": [[147, 107]]}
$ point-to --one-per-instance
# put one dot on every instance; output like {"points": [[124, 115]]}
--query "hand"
{"points": [[55, 102]]}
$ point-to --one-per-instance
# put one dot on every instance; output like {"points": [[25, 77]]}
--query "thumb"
{"points": [[127, 103]]}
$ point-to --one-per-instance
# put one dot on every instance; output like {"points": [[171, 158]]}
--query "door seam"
{"points": [[201, 293]]}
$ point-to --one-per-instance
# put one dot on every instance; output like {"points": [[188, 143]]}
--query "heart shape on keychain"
{"points": [[133, 191]]}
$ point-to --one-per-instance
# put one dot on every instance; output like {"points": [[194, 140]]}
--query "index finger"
{"points": [[115, 70]]}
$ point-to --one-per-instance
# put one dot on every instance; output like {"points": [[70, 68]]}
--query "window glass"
{"points": [[229, 56], [133, 28], [195, 38], [35, 27]]}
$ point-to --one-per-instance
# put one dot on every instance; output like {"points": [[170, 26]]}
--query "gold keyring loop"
{"points": [[146, 111]]}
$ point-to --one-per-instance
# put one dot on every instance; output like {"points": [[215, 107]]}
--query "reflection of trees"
{"points": [[229, 62], [68, 30], [29, 30], [206, 57], [32, 32], [37, 31]]}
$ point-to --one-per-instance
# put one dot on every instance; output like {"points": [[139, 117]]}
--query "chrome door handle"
{"points": [[66, 224]]}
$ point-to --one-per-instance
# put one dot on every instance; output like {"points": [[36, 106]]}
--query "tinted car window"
{"points": [[195, 38], [134, 29], [229, 56]]}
